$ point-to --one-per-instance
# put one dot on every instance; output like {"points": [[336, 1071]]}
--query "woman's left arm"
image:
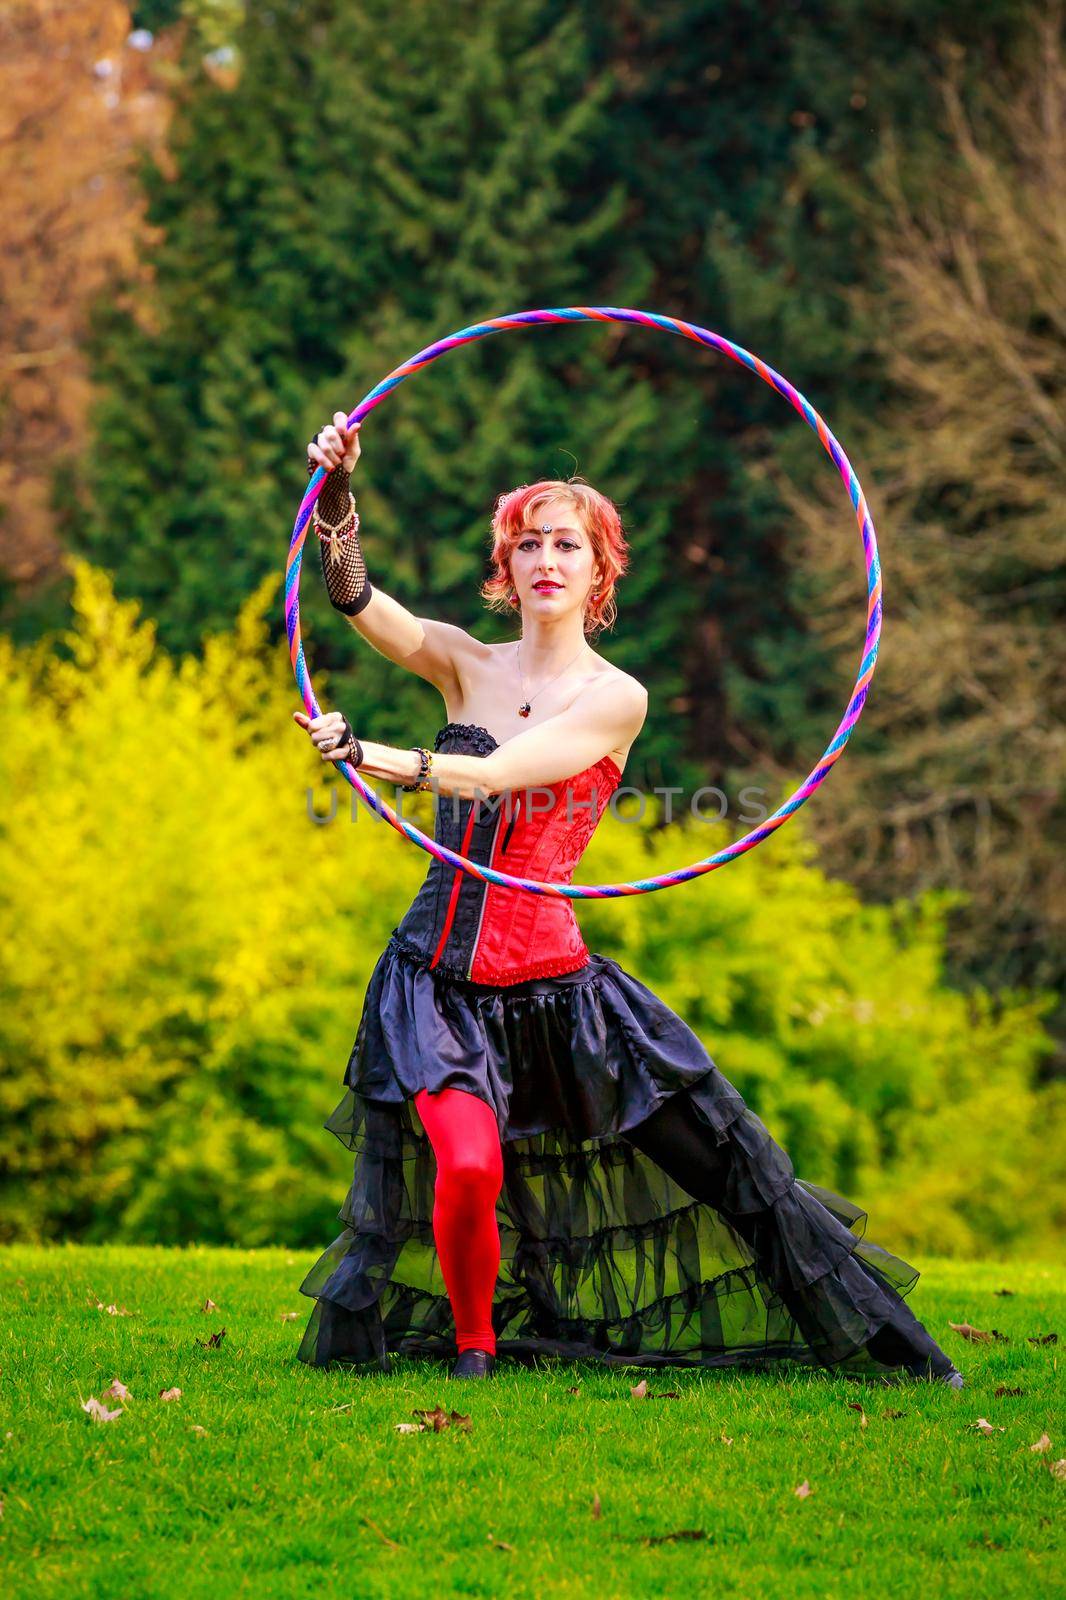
{"points": [[459, 775], [605, 718]]}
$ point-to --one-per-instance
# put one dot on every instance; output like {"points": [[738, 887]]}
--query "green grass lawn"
{"points": [[269, 1478]]}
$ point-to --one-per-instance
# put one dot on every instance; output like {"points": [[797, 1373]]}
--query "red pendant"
{"points": [[523, 711]]}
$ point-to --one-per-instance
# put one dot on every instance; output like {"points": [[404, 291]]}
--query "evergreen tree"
{"points": [[718, 106], [376, 179], [380, 176]]}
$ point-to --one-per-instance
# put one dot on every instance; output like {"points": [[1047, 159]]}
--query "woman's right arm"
{"points": [[433, 650]]}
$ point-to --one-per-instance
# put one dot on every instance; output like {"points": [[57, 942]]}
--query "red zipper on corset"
{"points": [[454, 897]]}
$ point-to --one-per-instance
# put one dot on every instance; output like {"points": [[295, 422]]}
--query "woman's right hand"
{"points": [[335, 445]]}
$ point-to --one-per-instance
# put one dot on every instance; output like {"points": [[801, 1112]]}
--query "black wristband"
{"points": [[357, 605], [355, 759]]}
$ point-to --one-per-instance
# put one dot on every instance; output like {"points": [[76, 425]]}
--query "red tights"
{"points": [[466, 1143]]}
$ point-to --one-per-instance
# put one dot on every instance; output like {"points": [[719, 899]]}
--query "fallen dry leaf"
{"points": [[215, 1339], [498, 1544], [289, 1316], [98, 1412], [170, 1394], [1058, 1469], [1005, 1291], [1043, 1443], [597, 1509], [681, 1533], [984, 1426], [112, 1310], [196, 1428], [209, 1305], [438, 1419], [856, 1405], [803, 1489], [409, 1427], [117, 1391], [725, 1439], [975, 1335], [1001, 1390], [664, 1394], [1047, 1338], [641, 1390]]}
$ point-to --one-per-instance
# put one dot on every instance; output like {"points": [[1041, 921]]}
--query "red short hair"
{"points": [[601, 521]]}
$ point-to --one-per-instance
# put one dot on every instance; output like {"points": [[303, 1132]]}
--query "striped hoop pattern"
{"points": [[832, 752]]}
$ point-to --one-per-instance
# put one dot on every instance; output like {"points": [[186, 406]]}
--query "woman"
{"points": [[548, 1162]]}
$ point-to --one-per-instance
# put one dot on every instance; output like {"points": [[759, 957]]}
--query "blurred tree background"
{"points": [[258, 213]]}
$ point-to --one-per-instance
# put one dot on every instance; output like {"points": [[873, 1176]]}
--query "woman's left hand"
{"points": [[327, 734]]}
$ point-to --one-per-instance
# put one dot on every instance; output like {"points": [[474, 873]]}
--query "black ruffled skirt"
{"points": [[647, 1217]]}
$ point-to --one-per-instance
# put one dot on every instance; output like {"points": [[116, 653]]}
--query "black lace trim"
{"points": [[582, 1256], [481, 738], [447, 969], [655, 1316]]}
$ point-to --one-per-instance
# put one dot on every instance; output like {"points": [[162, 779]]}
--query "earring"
{"points": [[513, 598]]}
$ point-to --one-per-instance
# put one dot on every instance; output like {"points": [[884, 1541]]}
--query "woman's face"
{"points": [[554, 572]]}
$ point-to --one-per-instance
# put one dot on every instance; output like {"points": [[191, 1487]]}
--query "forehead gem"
{"points": [[545, 527]]}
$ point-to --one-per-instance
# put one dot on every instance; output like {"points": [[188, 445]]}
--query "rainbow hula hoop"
{"points": [[829, 757]]}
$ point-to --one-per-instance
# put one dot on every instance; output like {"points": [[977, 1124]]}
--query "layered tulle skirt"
{"points": [[604, 1255]]}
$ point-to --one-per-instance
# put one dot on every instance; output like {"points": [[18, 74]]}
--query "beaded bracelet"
{"points": [[332, 534], [351, 515], [424, 773]]}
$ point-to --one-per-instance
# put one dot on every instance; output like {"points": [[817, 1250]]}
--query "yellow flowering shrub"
{"points": [[185, 952]]}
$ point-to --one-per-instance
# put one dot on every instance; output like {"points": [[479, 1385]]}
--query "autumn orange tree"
{"points": [[76, 100]]}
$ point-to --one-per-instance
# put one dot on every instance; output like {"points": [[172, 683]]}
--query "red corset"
{"points": [[484, 932]]}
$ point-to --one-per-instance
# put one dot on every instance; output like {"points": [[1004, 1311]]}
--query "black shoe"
{"points": [[905, 1375], [890, 1346], [474, 1364], [929, 1373]]}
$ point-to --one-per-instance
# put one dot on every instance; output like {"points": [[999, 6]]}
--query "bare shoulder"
{"points": [[481, 652], [459, 658], [621, 700], [604, 672], [457, 637], [624, 693]]}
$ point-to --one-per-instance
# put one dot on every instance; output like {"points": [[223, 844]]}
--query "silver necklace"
{"points": [[526, 707]]}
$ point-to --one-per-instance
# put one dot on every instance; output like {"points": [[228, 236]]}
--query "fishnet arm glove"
{"points": [[343, 566]]}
